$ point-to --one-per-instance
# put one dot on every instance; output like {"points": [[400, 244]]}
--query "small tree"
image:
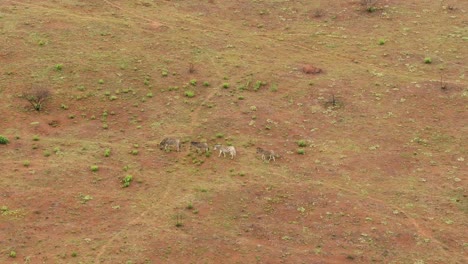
{"points": [[37, 97]]}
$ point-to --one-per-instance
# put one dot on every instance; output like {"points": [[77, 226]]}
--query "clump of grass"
{"points": [[206, 84], [226, 85], [12, 254], [64, 106], [94, 168], [47, 153], [113, 97], [382, 41], [193, 82], [189, 206], [101, 81], [126, 181], [85, 198], [134, 152], [301, 143], [149, 95], [300, 151], [164, 73], [274, 87], [58, 67], [428, 60], [189, 94], [219, 135], [26, 163], [179, 221], [107, 152], [258, 85], [35, 138], [4, 140], [74, 254]]}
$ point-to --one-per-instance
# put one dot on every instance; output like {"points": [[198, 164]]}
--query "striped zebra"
{"points": [[202, 146], [266, 153], [170, 142], [225, 149]]}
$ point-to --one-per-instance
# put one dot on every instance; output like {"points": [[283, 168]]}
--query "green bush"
{"points": [[300, 151], [428, 60], [4, 140], [301, 143], [94, 168], [107, 152], [126, 181], [189, 94], [226, 85]]}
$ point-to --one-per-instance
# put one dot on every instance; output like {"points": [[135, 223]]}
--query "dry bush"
{"points": [[37, 96]]}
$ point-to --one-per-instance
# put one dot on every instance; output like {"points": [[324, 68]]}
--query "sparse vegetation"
{"points": [[94, 168], [226, 85], [361, 136], [428, 60]]}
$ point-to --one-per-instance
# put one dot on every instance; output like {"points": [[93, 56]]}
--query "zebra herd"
{"points": [[170, 143]]}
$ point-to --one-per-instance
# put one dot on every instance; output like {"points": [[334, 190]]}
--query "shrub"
{"points": [[164, 73], [126, 181], [12, 254], [94, 168], [225, 85], [382, 41], [26, 163], [301, 143], [219, 135], [58, 67], [4, 140], [189, 94], [193, 82], [300, 151], [107, 152], [35, 138], [149, 95], [206, 84], [101, 81], [428, 60]]}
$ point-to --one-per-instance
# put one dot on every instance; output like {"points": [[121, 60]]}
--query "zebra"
{"points": [[266, 153], [203, 146], [225, 149], [170, 142]]}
